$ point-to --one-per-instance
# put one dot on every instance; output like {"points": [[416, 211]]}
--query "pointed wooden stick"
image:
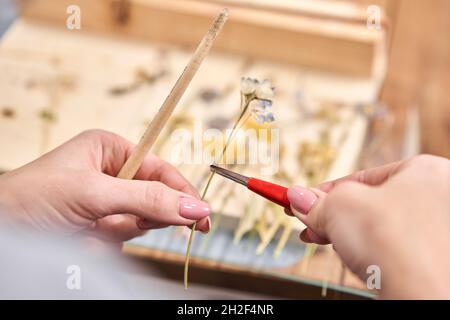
{"points": [[136, 158]]}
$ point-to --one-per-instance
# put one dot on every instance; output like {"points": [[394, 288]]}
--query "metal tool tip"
{"points": [[229, 174]]}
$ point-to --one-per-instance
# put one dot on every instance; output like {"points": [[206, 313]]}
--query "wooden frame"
{"points": [[296, 37]]}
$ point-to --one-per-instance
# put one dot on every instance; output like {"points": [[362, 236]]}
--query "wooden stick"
{"points": [[136, 158]]}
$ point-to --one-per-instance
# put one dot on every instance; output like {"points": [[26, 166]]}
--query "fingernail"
{"points": [[305, 237], [194, 209], [208, 226], [301, 199], [288, 212]]}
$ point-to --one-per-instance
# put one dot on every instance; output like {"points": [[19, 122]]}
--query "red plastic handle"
{"points": [[270, 191]]}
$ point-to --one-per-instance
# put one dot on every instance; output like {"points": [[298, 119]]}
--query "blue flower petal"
{"points": [[264, 104], [260, 119], [269, 117]]}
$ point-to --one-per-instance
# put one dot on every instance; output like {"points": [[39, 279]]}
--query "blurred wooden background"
{"points": [[418, 74], [419, 71]]}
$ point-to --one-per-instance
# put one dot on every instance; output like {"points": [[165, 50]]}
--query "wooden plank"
{"points": [[333, 46], [293, 283], [345, 11]]}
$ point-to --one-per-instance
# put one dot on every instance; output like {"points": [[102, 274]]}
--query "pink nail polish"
{"points": [[208, 225], [194, 209], [301, 199]]}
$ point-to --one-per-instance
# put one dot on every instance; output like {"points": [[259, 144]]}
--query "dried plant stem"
{"points": [[283, 239], [267, 234], [247, 222], [245, 102], [191, 238], [329, 263], [309, 252], [342, 275], [217, 217]]}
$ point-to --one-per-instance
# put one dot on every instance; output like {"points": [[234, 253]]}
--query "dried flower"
{"points": [[141, 77], [251, 90], [248, 85], [261, 112], [262, 90], [208, 95], [47, 115], [265, 91]]}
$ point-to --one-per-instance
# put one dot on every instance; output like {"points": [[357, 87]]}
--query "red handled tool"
{"points": [[270, 191]]}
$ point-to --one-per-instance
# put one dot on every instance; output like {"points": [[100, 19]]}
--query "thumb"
{"points": [[151, 200], [308, 206], [328, 214]]}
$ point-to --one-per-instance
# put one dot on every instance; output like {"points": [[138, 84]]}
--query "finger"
{"points": [[115, 152], [375, 176], [309, 236], [156, 169], [108, 151], [303, 201], [288, 212], [304, 237], [118, 228], [343, 206], [203, 225], [151, 200], [144, 224]]}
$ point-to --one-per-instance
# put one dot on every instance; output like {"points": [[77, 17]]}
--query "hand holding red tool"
{"points": [[268, 190]]}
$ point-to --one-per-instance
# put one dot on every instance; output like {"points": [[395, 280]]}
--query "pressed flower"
{"points": [[209, 95], [218, 123], [261, 112], [141, 77], [47, 115], [262, 93], [269, 117], [265, 90], [265, 104], [248, 85]]}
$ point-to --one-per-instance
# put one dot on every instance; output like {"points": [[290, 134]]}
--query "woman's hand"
{"points": [[396, 217], [73, 188]]}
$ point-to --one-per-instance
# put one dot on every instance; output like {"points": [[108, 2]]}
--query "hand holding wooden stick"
{"points": [[136, 158]]}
